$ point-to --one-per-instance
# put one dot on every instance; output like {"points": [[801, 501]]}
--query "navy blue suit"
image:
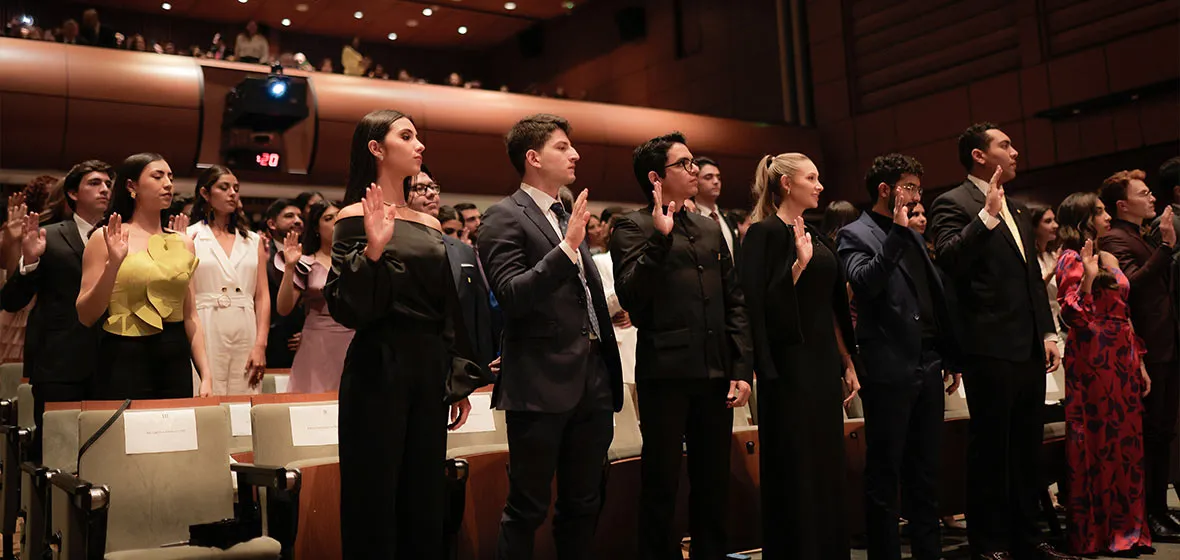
{"points": [[894, 284]]}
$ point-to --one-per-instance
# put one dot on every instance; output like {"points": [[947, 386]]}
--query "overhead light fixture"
{"points": [[462, 29], [242, 1], [411, 23], [166, 6], [286, 22], [358, 15], [301, 7], [567, 5], [393, 36], [510, 5], [427, 12]]}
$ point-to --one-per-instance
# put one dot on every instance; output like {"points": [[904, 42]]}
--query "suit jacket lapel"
{"points": [[204, 232], [73, 237], [538, 218], [453, 258], [880, 235]]}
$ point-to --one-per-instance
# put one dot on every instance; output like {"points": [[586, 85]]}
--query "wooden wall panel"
{"points": [[31, 131]]}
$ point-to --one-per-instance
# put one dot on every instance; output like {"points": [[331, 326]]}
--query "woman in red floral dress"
{"points": [[1104, 386]]}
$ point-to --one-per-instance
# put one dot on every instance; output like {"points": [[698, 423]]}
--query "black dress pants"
{"points": [[674, 412], [903, 438], [157, 366], [571, 445], [1006, 399], [1159, 432]]}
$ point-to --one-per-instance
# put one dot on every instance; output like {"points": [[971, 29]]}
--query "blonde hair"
{"points": [[767, 177]]}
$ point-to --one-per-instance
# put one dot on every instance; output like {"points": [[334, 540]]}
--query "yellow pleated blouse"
{"points": [[150, 287]]}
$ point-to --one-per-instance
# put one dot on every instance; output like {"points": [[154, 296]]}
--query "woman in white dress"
{"points": [[1047, 252], [232, 299]]}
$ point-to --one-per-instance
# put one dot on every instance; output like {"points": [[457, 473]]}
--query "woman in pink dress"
{"points": [[305, 265]]}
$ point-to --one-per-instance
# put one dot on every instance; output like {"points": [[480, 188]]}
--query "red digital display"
{"points": [[267, 159]]}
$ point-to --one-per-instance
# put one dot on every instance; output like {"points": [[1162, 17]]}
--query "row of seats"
{"points": [[296, 503]]}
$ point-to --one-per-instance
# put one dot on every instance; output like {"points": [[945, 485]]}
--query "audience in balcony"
{"points": [[251, 46], [94, 33]]}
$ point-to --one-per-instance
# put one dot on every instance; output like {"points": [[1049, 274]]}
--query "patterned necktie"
{"points": [[563, 222]]}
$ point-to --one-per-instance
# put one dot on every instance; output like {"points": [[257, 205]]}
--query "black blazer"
{"points": [[58, 348], [768, 253], [682, 293], [888, 323], [545, 347], [1003, 308], [473, 298]]}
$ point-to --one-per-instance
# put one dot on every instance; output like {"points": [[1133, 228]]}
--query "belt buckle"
{"points": [[223, 301]]}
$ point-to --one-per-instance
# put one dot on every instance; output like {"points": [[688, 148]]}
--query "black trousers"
{"points": [[43, 392], [1006, 399], [573, 446], [1160, 408], [157, 366], [675, 412], [903, 438]]}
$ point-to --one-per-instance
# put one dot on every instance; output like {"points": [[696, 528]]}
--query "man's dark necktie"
{"points": [[563, 222]]}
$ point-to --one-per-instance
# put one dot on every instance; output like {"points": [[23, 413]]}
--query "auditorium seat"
{"points": [[744, 526], [1052, 471], [10, 379], [477, 483], [240, 423], [275, 381], [130, 504], [59, 451], [12, 439], [617, 535], [25, 406], [854, 458]]}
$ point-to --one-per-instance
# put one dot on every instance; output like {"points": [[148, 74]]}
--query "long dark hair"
{"points": [[203, 211], [121, 201], [311, 239], [1037, 212], [362, 165], [1075, 226]]}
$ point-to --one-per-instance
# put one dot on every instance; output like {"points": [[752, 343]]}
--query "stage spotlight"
{"points": [[277, 87]]}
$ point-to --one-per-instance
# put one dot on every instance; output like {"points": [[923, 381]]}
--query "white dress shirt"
{"points": [[545, 203], [84, 228], [725, 232]]}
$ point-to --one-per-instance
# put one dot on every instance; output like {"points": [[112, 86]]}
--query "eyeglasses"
{"points": [[911, 188], [421, 189], [687, 163]]}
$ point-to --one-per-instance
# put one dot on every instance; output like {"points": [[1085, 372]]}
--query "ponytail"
{"points": [[767, 179]]}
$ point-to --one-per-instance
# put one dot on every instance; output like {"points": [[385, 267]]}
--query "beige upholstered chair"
{"points": [[126, 506], [10, 379]]}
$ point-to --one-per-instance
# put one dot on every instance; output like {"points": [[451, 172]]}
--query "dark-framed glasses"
{"points": [[421, 189], [688, 164]]}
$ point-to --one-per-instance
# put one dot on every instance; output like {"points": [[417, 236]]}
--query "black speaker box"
{"points": [[251, 105]]}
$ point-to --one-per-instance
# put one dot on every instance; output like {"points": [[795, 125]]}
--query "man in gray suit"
{"points": [[561, 381]]}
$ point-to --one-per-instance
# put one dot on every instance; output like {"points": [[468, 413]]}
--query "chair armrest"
{"points": [[79, 518], [265, 476]]}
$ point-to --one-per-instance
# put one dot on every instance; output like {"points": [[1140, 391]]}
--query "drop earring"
{"points": [[132, 195]]}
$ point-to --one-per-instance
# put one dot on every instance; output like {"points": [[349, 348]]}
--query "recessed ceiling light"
{"points": [[242, 1], [411, 23], [166, 6], [301, 7], [427, 12], [286, 22], [393, 36], [510, 5], [462, 29], [358, 15]]}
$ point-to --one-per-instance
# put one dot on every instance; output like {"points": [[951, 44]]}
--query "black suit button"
{"points": [[700, 268], [709, 332], [917, 317], [691, 239], [585, 332]]}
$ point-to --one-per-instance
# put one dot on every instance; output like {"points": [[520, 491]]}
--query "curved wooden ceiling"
{"points": [[488, 22]]}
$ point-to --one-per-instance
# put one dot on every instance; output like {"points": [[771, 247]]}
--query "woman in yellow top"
{"points": [[136, 274]]}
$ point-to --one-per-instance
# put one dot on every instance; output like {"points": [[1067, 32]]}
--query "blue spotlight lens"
{"points": [[278, 88]]}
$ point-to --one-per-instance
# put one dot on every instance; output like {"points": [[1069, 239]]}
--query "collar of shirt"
{"points": [[543, 200], [1119, 223], [707, 212], [84, 228], [982, 185]]}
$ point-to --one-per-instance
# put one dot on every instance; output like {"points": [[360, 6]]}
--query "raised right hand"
{"points": [[1090, 259], [803, 246], [16, 214], [379, 221], [115, 234], [995, 194], [1167, 228], [662, 219], [292, 249], [575, 231], [901, 213], [32, 243]]}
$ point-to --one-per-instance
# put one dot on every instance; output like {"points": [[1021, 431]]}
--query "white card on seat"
{"points": [[281, 382], [315, 425], [480, 419], [160, 431], [239, 419]]}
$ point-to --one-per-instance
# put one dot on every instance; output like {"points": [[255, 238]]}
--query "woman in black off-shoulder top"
{"points": [[391, 282]]}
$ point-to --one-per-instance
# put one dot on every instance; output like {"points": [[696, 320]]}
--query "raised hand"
{"points": [[1089, 259], [1167, 228], [803, 246], [292, 249], [16, 214], [995, 194], [115, 234], [32, 243], [379, 222], [901, 213], [575, 231], [660, 218], [178, 223]]}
